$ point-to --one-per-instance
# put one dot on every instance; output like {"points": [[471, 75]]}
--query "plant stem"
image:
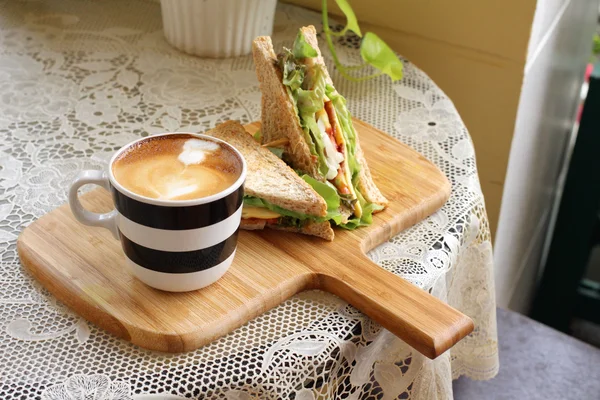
{"points": [[364, 78], [356, 67], [338, 34], [328, 35], [342, 70]]}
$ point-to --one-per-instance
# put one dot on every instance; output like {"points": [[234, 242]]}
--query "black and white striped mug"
{"points": [[172, 245]]}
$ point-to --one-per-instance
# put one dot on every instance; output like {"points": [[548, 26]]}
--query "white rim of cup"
{"points": [[178, 203]]}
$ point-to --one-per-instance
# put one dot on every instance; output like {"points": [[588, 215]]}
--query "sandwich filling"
{"points": [[328, 131], [256, 209]]}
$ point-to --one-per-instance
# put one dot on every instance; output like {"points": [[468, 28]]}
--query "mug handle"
{"points": [[107, 220]]}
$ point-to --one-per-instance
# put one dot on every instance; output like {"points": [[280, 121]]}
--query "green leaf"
{"points": [[257, 136], [293, 73], [309, 102], [301, 47], [335, 216], [326, 190], [351, 224], [329, 193], [367, 216], [294, 79], [367, 213], [378, 54], [351, 21], [312, 100]]}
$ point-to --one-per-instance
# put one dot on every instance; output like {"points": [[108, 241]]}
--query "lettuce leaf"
{"points": [[293, 73], [330, 194], [253, 201], [312, 130], [367, 214], [312, 99], [293, 78], [309, 102], [335, 216], [301, 48], [326, 190]]}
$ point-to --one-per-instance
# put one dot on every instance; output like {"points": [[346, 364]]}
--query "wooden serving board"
{"points": [[85, 268]]}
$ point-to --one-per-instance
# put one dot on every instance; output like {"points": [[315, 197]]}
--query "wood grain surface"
{"points": [[85, 268]]}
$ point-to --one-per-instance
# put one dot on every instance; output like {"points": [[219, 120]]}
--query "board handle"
{"points": [[421, 320]]}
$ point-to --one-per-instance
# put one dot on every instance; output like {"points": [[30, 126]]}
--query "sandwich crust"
{"points": [[365, 183], [252, 224], [320, 229]]}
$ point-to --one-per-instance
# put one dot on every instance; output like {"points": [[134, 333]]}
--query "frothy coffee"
{"points": [[177, 167]]}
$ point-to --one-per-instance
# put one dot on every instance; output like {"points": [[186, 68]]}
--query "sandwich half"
{"points": [[302, 110], [275, 196]]}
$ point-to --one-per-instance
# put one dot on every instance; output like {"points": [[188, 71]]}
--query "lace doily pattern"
{"points": [[79, 79]]}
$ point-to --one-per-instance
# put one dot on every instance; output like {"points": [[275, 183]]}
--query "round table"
{"points": [[79, 79]]}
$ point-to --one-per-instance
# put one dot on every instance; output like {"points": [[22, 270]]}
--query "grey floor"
{"points": [[536, 362], [586, 331]]}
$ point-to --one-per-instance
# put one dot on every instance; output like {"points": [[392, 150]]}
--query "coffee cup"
{"points": [[178, 206]]}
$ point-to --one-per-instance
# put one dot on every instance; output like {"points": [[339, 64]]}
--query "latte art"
{"points": [[194, 151], [177, 167]]}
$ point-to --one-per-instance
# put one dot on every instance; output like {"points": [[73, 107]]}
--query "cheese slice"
{"points": [[258, 212]]}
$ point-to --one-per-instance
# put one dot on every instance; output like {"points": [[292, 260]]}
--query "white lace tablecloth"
{"points": [[79, 79]]}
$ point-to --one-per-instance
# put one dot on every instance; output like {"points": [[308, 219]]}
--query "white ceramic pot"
{"points": [[216, 28]]}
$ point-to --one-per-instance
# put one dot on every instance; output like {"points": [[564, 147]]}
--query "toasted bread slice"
{"points": [[268, 177], [279, 118], [320, 229]]}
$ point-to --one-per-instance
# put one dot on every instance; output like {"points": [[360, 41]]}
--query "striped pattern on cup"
{"points": [[179, 248]]}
